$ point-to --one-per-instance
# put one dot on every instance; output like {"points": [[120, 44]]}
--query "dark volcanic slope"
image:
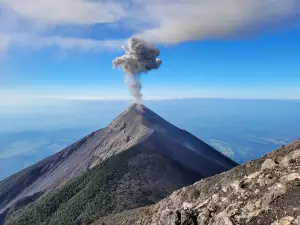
{"points": [[131, 179], [261, 192], [137, 126]]}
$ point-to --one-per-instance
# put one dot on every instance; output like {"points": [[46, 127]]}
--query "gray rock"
{"points": [[203, 217], [286, 161], [258, 203], [284, 221], [275, 191], [250, 207], [297, 221], [212, 207], [222, 219], [290, 177], [268, 164], [188, 217]]}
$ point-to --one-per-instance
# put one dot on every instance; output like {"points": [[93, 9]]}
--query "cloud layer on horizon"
{"points": [[27, 23]]}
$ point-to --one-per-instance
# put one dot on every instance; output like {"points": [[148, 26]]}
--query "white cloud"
{"points": [[4, 42], [107, 97], [22, 21], [66, 11], [161, 21], [158, 98], [37, 42], [86, 98]]}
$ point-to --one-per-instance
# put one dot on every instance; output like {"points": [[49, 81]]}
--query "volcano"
{"points": [[138, 159]]}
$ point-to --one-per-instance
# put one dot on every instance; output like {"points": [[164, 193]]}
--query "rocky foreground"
{"points": [[261, 192]]}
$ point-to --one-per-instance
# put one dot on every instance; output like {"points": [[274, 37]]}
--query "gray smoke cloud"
{"points": [[140, 57], [178, 21]]}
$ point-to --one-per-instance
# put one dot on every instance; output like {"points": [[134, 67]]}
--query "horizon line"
{"points": [[153, 98]]}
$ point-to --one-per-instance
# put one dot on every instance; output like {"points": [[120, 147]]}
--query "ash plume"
{"points": [[140, 58]]}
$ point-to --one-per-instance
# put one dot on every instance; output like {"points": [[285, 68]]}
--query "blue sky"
{"points": [[69, 54]]}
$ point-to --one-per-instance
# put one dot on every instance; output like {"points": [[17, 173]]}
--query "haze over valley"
{"points": [[240, 129]]}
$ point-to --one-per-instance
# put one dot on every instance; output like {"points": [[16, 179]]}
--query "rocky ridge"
{"points": [[265, 191]]}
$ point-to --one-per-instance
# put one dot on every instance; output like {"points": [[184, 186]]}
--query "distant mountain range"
{"points": [[137, 160]]}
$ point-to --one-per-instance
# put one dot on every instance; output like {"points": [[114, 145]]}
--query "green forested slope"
{"points": [[124, 181]]}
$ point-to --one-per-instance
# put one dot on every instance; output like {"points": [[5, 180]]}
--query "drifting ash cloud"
{"points": [[140, 57], [185, 20]]}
